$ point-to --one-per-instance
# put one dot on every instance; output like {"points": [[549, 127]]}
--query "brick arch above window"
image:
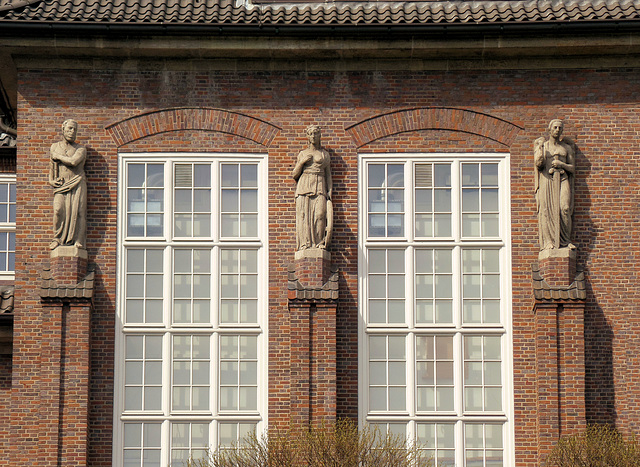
{"points": [[192, 118], [433, 118]]}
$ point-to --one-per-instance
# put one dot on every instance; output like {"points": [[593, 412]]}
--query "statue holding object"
{"points": [[67, 177], [314, 209], [555, 169]]}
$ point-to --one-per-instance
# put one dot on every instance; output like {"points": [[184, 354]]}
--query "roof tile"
{"points": [[231, 12]]}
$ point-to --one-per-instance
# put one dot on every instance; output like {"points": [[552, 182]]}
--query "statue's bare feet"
{"points": [[79, 245], [54, 244]]}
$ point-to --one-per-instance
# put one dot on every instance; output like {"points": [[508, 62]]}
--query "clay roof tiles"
{"points": [[354, 13], [542, 291]]}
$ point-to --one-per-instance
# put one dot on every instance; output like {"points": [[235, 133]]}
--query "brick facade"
{"points": [[359, 112]]}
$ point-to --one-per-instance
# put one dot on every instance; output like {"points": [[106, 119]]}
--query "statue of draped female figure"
{"points": [[314, 209], [555, 168]]}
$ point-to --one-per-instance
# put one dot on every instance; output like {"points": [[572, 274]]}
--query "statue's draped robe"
{"points": [[555, 208], [311, 202], [69, 202]]}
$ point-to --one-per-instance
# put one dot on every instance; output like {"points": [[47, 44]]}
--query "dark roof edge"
{"points": [[11, 27]]}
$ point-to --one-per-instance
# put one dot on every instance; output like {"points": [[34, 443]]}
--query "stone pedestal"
{"points": [[313, 267], [313, 301], [558, 266], [68, 265]]}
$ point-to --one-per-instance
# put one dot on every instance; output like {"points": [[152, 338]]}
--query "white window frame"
{"points": [[166, 416], [410, 416], [9, 227]]}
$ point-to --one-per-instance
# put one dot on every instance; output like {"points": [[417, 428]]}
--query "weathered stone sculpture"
{"points": [[314, 210], [67, 177], [555, 168]]}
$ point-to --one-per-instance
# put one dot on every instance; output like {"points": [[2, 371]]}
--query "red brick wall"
{"points": [[600, 109]]}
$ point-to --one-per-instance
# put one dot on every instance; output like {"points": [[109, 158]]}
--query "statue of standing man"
{"points": [[314, 211], [555, 169], [66, 176]]}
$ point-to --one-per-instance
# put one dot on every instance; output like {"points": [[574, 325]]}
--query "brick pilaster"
{"points": [[313, 296], [559, 346]]}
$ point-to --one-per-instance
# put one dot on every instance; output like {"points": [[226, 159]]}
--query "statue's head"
{"points": [[556, 127], [69, 130], [313, 133]]}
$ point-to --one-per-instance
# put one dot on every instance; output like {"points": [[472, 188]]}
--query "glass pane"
{"points": [[376, 175], [396, 286], [202, 174], [489, 174], [473, 373], [492, 348], [136, 175], [472, 311], [423, 201], [470, 200], [470, 175], [134, 311], [396, 347], [424, 259], [155, 175], [489, 199], [473, 399], [183, 200], [444, 348], [396, 311], [248, 225], [397, 398], [491, 311], [444, 311], [377, 261], [378, 398], [443, 286], [230, 200], [202, 201], [442, 175], [424, 286], [471, 286], [493, 399], [444, 399], [442, 200], [443, 261], [425, 399], [249, 201], [442, 223], [395, 225], [491, 286], [424, 225], [377, 347], [395, 175], [471, 225], [229, 175], [493, 435], [490, 225], [377, 311], [424, 311], [249, 175], [395, 200]]}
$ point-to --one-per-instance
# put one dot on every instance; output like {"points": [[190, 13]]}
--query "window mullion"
{"points": [[456, 203]]}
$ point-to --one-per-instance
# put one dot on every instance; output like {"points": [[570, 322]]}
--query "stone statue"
{"points": [[66, 176], [314, 209], [555, 169]]}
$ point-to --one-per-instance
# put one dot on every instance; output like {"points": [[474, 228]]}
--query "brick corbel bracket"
{"points": [[313, 294], [560, 295], [66, 292]]}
